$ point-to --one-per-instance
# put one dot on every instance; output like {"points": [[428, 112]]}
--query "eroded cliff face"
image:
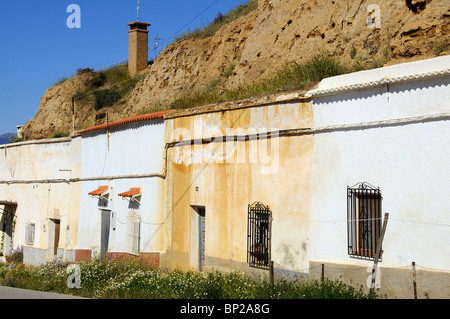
{"points": [[262, 42], [55, 111]]}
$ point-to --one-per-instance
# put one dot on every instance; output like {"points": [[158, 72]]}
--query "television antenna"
{"points": [[156, 43], [138, 11]]}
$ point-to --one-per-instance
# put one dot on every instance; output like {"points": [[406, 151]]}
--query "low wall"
{"points": [[34, 256], [395, 283], [152, 259], [37, 256]]}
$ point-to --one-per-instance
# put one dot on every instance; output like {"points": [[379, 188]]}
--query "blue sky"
{"points": [[37, 47]]}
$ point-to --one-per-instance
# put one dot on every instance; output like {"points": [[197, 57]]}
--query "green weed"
{"points": [[220, 20], [59, 134], [107, 279], [293, 76]]}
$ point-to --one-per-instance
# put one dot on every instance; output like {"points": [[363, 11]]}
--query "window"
{"points": [[363, 220], [133, 225], [29, 233], [258, 235]]}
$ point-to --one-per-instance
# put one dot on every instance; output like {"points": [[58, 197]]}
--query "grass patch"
{"points": [[107, 88], [220, 20], [105, 98], [97, 81], [440, 47], [84, 70], [293, 76], [110, 87], [17, 140], [105, 279], [61, 80], [59, 134]]}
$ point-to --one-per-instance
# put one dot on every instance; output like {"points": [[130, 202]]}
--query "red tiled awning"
{"points": [[132, 192], [99, 191]]}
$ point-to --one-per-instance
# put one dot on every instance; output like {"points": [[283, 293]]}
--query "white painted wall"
{"points": [[30, 175], [134, 149], [408, 160], [35, 160]]}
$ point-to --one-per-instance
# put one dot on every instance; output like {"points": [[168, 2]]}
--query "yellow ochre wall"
{"points": [[228, 183]]}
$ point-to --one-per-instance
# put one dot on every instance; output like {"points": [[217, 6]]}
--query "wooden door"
{"points": [[56, 240]]}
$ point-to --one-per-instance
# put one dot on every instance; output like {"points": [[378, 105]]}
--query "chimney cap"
{"points": [[139, 25]]}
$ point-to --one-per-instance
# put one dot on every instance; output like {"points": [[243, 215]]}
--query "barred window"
{"points": [[258, 235], [29, 233], [363, 220]]}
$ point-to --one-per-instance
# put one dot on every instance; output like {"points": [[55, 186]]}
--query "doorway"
{"points": [[104, 232], [7, 218], [54, 237], [200, 236]]}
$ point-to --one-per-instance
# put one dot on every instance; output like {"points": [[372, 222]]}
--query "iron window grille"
{"points": [[363, 220], [258, 235]]}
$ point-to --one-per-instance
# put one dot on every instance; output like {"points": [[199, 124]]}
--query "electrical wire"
{"points": [[183, 27], [150, 49], [163, 42]]}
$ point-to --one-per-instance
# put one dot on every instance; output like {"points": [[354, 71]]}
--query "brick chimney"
{"points": [[137, 47]]}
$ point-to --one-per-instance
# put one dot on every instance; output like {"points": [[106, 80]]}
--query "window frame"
{"points": [[30, 233], [364, 221], [133, 233], [259, 235]]}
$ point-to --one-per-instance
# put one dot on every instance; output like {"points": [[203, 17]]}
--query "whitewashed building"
{"points": [[122, 189], [294, 185], [382, 145], [39, 199], [334, 161]]}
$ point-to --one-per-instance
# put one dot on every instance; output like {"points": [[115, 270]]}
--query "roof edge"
{"points": [[403, 72], [260, 101], [134, 119]]}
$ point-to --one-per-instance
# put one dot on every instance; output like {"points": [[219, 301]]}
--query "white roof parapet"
{"points": [[43, 141], [410, 71]]}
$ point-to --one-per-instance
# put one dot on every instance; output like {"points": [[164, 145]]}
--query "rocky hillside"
{"points": [[256, 46]]}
